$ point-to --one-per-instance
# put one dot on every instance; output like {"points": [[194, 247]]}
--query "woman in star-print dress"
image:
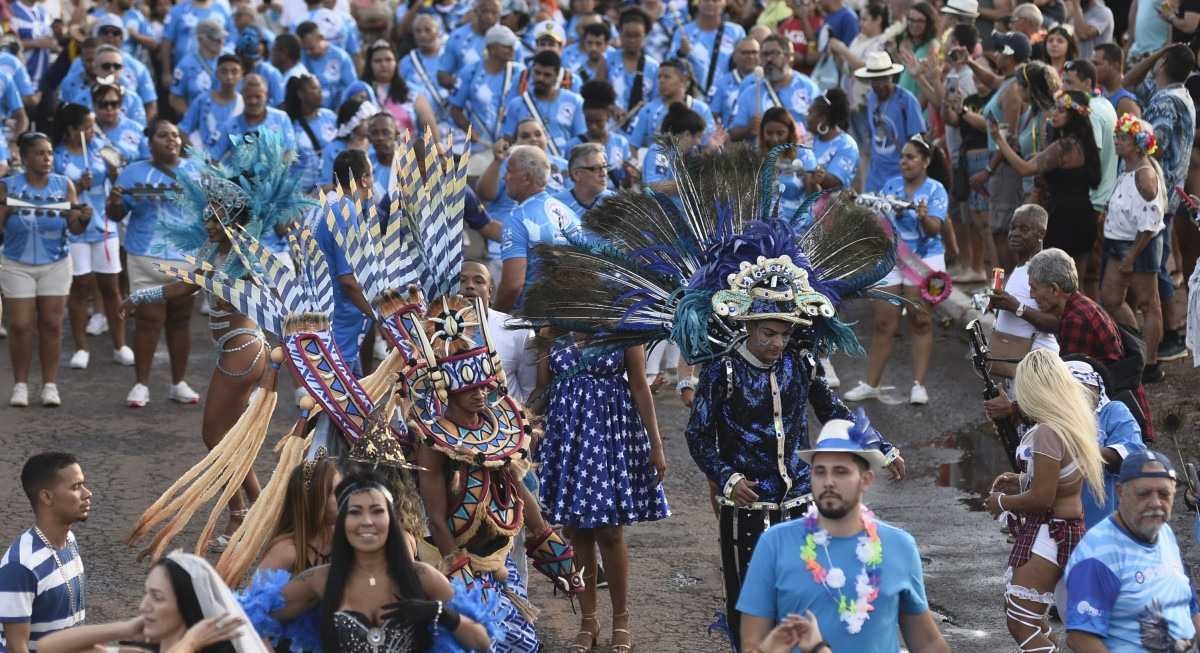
{"points": [[602, 466]]}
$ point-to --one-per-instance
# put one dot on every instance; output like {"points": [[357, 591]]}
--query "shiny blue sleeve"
{"points": [[702, 429]]}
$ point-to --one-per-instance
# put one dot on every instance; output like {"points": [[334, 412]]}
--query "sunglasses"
{"points": [[111, 66], [110, 104], [593, 169], [109, 31]]}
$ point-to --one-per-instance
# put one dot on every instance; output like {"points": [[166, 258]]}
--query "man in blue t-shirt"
{"points": [[331, 65], [1127, 588], [538, 219], [840, 21], [558, 110], [849, 546], [42, 586], [893, 116]]}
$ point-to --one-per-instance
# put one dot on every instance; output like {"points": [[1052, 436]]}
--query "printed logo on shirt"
{"points": [[203, 82], [800, 103], [560, 216], [661, 164], [190, 20], [470, 56], [333, 71], [566, 113], [727, 44], [884, 139], [1086, 608]]}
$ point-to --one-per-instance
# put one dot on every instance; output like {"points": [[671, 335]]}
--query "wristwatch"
{"points": [[1020, 310]]}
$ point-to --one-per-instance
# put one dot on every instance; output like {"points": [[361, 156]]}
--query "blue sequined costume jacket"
{"points": [[745, 425]]}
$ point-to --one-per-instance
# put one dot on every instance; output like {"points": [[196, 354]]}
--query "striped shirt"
{"points": [[33, 589], [33, 21]]}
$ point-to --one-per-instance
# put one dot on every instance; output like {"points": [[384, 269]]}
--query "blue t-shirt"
{"points": [[419, 71], [464, 48], [778, 584], [838, 157], [276, 121], [621, 79], [891, 124], [34, 590], [539, 220], [142, 235], [906, 224], [482, 94], [206, 116], [616, 150], [194, 76], [33, 21], [704, 44], [324, 127], [71, 166], [795, 97], [180, 28], [129, 138], [337, 28], [791, 197], [724, 95], [1133, 595], [842, 25], [562, 117], [567, 196], [335, 71], [276, 89], [1119, 431], [649, 120], [135, 76], [13, 70], [32, 238], [10, 103], [348, 322]]}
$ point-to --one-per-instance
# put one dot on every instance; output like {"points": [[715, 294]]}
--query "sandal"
{"points": [[576, 646], [626, 647]]}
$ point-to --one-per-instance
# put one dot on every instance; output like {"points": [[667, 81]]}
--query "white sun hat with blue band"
{"points": [[856, 437]]}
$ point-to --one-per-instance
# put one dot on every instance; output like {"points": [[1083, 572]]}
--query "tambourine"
{"points": [[113, 157]]}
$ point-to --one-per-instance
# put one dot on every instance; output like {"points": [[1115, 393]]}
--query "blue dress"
{"points": [[595, 453]]}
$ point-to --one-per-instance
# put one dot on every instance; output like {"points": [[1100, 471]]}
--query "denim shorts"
{"points": [[1147, 261]]}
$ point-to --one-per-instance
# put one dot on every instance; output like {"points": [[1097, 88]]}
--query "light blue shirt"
{"points": [[180, 28], [423, 79], [335, 71], [1133, 595], [31, 237], [72, 166], [131, 104], [906, 223], [562, 117], [12, 69], [616, 150], [622, 79], [129, 138], [206, 116], [324, 127], [276, 120], [194, 76], [649, 120], [339, 29], [891, 124], [704, 44], [1151, 31], [276, 88], [778, 584], [1120, 432], [796, 98], [481, 94], [539, 220], [724, 95], [464, 48], [348, 322], [142, 235], [568, 197], [838, 157], [33, 21], [134, 76]]}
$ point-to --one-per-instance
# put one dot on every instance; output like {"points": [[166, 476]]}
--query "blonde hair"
{"points": [[1049, 394]]}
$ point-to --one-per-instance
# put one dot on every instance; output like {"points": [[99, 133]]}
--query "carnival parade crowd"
{"points": [[483, 235]]}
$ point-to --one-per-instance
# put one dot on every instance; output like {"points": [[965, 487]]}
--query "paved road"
{"points": [[130, 456]]}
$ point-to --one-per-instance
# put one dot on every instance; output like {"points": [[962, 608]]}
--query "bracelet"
{"points": [[448, 618], [437, 619], [1000, 502], [990, 170], [147, 296], [686, 384], [821, 645]]}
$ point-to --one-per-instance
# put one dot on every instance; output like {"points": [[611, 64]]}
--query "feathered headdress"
{"points": [[254, 189], [693, 275]]}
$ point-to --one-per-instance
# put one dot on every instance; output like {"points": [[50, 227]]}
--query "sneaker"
{"points": [[919, 396], [80, 360], [831, 377], [1172, 347], [183, 393], [861, 392], [50, 398], [139, 396], [20, 395], [97, 324], [1152, 374], [123, 356]]}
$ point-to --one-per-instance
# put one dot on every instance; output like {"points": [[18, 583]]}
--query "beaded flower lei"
{"points": [[853, 612]]}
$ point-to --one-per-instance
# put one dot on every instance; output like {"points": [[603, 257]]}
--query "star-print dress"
{"points": [[595, 454]]}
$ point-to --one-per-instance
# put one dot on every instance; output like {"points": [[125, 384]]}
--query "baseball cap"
{"points": [[1134, 466], [1013, 44], [500, 35]]}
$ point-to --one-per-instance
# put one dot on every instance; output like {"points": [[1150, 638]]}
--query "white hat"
{"points": [[856, 437], [968, 8], [499, 34], [879, 64], [551, 29]]}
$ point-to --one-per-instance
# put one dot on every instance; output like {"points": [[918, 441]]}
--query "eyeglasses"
{"points": [[110, 104], [111, 66], [109, 31], [596, 169]]}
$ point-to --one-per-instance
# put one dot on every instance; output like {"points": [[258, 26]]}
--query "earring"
{"points": [[822, 129]]}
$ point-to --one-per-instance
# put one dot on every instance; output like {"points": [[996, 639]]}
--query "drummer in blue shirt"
{"points": [[893, 117]]}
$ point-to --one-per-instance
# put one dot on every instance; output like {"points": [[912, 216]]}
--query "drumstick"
{"points": [[758, 80]]}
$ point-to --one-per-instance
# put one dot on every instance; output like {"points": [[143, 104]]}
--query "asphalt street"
{"points": [[131, 455]]}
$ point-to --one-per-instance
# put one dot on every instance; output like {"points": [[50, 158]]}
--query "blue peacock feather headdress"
{"points": [[694, 273]]}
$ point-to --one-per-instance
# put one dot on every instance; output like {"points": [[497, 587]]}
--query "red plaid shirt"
{"points": [[1086, 329]]}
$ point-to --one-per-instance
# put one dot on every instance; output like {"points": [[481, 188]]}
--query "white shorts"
{"points": [[937, 263], [101, 257], [1044, 546], [143, 274], [21, 281]]}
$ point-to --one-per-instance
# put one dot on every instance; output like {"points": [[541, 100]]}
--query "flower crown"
{"points": [[1065, 101], [1141, 132]]}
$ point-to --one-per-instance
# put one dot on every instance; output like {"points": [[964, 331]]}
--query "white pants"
{"points": [[101, 257]]}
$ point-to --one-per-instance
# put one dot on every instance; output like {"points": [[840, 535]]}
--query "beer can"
{"points": [[998, 279]]}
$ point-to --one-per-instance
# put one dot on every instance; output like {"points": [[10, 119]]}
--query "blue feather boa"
{"points": [[263, 597], [484, 608]]}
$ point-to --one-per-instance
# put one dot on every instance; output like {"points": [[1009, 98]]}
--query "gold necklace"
{"points": [[61, 569]]}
